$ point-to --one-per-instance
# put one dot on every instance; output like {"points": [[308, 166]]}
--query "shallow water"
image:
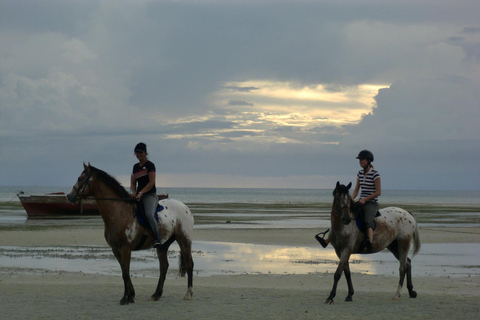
{"points": [[256, 209], [216, 258]]}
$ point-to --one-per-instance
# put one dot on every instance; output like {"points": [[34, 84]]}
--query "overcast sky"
{"points": [[235, 93]]}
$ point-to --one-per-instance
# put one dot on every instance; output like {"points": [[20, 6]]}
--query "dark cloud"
{"points": [[470, 30], [422, 126], [241, 89], [239, 103], [240, 133]]}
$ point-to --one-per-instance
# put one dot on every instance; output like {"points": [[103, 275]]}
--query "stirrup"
{"points": [[367, 245], [321, 240]]}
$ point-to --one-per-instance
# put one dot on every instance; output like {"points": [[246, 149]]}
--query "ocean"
{"points": [[252, 195], [279, 208], [257, 209]]}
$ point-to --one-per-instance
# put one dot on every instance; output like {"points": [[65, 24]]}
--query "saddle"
{"points": [[141, 216], [360, 218]]}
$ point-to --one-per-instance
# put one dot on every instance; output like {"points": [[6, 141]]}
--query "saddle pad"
{"points": [[141, 215]]}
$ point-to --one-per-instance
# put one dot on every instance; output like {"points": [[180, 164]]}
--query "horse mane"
{"points": [[110, 182]]}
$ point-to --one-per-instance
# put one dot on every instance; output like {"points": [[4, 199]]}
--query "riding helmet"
{"points": [[141, 147], [365, 154]]}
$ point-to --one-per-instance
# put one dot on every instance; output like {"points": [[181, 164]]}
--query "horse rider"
{"points": [[143, 188], [369, 182]]}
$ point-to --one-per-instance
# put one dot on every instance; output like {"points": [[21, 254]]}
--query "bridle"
{"points": [[83, 187], [338, 211]]}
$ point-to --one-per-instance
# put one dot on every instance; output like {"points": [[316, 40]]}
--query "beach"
{"points": [[55, 294]]}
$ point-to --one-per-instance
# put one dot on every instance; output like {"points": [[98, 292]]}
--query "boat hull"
{"points": [[40, 206], [56, 205]]}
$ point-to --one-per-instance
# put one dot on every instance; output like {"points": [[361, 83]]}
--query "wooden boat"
{"points": [[54, 205]]}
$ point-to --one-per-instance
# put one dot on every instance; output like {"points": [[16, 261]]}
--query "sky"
{"points": [[246, 94]]}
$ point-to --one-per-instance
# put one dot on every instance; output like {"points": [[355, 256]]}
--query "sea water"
{"points": [[258, 209], [262, 195]]}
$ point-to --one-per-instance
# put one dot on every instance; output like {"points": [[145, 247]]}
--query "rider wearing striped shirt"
{"points": [[368, 180]]}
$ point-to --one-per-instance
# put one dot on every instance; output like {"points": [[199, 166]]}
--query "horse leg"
{"points": [[123, 256], [163, 261], [402, 252], [338, 274], [186, 264], [189, 268], [411, 292], [348, 276]]}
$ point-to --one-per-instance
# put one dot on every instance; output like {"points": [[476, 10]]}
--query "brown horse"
{"points": [[396, 230], [124, 233]]}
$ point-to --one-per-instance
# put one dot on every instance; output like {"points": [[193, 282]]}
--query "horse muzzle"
{"points": [[346, 220], [72, 196]]}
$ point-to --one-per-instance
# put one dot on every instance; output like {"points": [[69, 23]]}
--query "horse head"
{"points": [[81, 189], [342, 203]]}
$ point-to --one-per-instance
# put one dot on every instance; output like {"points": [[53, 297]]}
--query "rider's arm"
{"points": [[355, 191], [132, 185]]}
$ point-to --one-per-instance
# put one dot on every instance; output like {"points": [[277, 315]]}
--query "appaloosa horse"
{"points": [[124, 233], [396, 230]]}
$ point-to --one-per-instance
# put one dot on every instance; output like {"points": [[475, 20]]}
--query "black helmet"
{"points": [[141, 147], [365, 154]]}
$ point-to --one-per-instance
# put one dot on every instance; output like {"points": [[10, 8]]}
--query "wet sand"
{"points": [[40, 294]]}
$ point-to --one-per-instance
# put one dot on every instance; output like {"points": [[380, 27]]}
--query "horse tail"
{"points": [[185, 261], [416, 241], [182, 265]]}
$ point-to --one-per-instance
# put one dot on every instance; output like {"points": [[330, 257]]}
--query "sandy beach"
{"points": [[40, 294]]}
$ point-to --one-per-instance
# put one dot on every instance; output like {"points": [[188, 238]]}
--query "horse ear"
{"points": [[85, 166], [338, 184], [349, 186]]}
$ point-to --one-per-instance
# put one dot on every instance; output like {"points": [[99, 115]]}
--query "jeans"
{"points": [[150, 202]]}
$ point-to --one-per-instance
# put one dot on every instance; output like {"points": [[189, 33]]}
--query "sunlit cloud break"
{"points": [[287, 103], [278, 112]]}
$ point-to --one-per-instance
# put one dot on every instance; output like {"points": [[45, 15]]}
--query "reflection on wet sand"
{"points": [[214, 258]]}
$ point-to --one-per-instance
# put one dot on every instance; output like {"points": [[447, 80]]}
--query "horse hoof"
{"points": [[126, 300], [329, 301], [413, 294], [188, 296], [348, 299]]}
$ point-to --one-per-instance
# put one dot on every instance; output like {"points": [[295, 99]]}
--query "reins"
{"points": [[131, 199]]}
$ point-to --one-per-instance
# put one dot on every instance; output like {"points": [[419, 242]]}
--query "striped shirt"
{"points": [[367, 182]]}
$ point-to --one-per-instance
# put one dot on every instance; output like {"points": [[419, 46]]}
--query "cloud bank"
{"points": [[266, 92]]}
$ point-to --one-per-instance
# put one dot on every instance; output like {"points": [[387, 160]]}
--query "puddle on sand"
{"points": [[214, 258]]}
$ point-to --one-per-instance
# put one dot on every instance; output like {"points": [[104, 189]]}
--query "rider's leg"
{"points": [[370, 234], [150, 201], [370, 209]]}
